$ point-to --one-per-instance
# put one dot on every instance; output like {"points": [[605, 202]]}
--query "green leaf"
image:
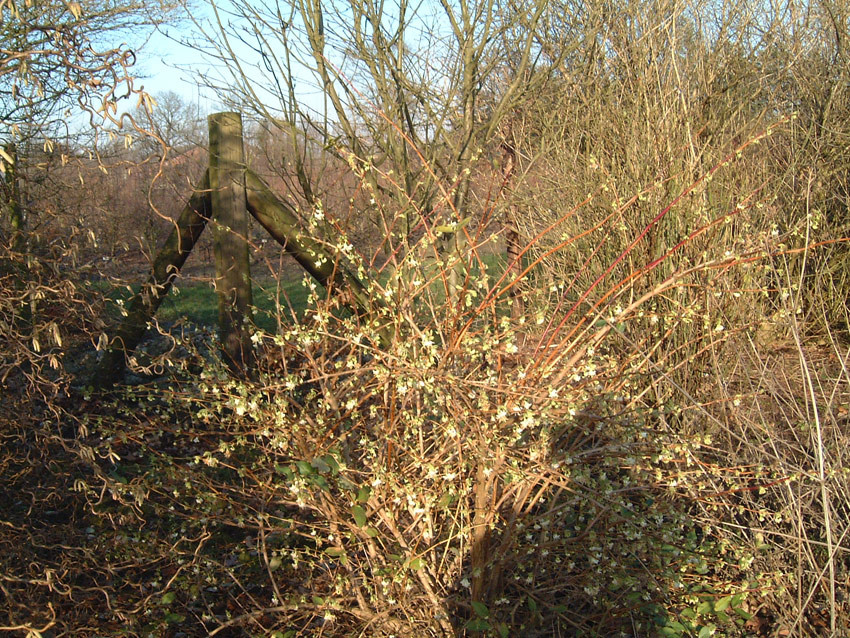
{"points": [[371, 532], [704, 607], [359, 515], [480, 609], [723, 603], [743, 614], [274, 563], [345, 484], [318, 600], [321, 465], [415, 564], [502, 628], [532, 604], [478, 624], [334, 551], [304, 468], [173, 618], [707, 631], [446, 500], [363, 494], [330, 459], [168, 598], [320, 481]]}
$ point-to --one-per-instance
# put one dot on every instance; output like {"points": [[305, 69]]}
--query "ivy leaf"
{"points": [[723, 603], [304, 468], [359, 515], [321, 465], [332, 463], [480, 609], [445, 500]]}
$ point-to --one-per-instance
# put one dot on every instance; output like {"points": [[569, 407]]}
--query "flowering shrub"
{"points": [[434, 465], [438, 469]]}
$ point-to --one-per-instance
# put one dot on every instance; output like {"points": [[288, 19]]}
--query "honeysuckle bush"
{"points": [[431, 468], [435, 465]]}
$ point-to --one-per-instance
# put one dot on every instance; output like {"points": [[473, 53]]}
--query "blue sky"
{"points": [[167, 65]]}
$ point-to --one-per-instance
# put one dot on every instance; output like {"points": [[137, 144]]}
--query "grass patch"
{"points": [[197, 302]]}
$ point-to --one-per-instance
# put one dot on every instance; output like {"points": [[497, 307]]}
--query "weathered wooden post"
{"points": [[230, 232]]}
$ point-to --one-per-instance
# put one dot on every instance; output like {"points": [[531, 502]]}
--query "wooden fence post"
{"points": [[230, 232]]}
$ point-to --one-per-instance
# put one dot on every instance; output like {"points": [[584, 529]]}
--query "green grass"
{"points": [[197, 302]]}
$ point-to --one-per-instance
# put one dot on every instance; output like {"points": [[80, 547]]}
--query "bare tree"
{"points": [[56, 55], [405, 90]]}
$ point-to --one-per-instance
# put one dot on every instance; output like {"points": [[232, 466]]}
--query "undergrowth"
{"points": [[636, 454]]}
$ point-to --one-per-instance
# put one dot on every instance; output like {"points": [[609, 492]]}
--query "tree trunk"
{"points": [[513, 247]]}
